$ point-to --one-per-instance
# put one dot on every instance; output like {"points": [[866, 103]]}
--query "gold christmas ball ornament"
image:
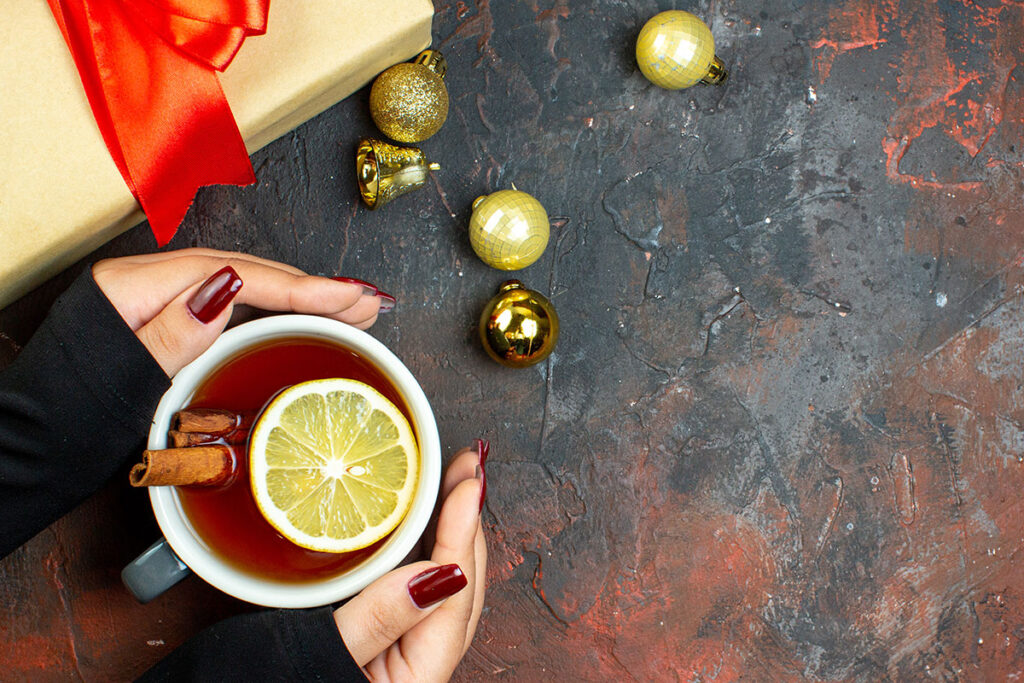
{"points": [[519, 327], [409, 102], [675, 50], [509, 229], [385, 171]]}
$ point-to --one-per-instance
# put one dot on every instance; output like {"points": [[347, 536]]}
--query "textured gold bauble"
{"points": [[409, 102], [675, 50], [509, 229], [519, 327]]}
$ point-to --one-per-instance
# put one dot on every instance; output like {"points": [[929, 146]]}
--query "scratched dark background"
{"points": [[781, 437]]}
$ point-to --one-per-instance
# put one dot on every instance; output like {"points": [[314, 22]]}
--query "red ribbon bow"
{"points": [[148, 67]]}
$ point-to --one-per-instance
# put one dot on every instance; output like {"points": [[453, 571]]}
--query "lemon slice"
{"points": [[333, 465]]}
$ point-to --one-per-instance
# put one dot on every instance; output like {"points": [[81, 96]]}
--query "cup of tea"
{"points": [[218, 532]]}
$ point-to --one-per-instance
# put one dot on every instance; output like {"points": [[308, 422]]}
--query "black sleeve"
{"points": [[278, 645], [75, 405]]}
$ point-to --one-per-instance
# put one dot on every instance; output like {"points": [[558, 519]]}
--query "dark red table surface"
{"points": [[781, 437]]}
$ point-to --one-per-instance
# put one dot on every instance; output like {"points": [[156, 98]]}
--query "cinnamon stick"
{"points": [[195, 466], [206, 421], [185, 439]]}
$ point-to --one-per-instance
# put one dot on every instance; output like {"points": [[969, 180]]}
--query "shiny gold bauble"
{"points": [[675, 50], [519, 327], [409, 101], [509, 229]]}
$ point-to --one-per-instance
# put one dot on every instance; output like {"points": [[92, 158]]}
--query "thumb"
{"points": [[393, 604], [191, 322]]}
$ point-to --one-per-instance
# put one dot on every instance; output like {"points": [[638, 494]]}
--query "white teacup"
{"points": [[168, 561]]}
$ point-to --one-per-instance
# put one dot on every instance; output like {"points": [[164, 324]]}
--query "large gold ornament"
{"points": [[385, 171], [519, 327], [675, 50], [509, 229], [409, 101]]}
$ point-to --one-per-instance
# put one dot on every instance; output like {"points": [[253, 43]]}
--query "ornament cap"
{"points": [[433, 60], [717, 73], [509, 285]]}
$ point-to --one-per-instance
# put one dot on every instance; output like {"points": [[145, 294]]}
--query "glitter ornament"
{"points": [[675, 50], [509, 229], [409, 101], [519, 327]]}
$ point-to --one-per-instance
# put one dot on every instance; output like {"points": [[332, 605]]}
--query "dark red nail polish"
{"points": [[215, 294], [483, 449], [436, 584], [387, 302], [368, 289]]}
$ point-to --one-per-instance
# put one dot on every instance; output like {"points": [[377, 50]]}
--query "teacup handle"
{"points": [[153, 572]]}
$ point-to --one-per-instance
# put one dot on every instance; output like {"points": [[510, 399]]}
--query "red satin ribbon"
{"points": [[148, 67]]}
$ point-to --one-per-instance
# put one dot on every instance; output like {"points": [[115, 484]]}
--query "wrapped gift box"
{"points": [[61, 195]]}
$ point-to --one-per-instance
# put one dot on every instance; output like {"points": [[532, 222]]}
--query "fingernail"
{"points": [[368, 289], [483, 449], [387, 302], [215, 294], [436, 584]]}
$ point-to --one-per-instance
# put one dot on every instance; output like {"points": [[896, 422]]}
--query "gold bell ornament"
{"points": [[676, 50], [509, 229], [385, 171], [519, 327], [409, 101]]}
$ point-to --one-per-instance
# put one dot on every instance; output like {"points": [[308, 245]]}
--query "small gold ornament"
{"points": [[519, 327], [509, 229], [385, 171], [675, 50], [409, 101]]}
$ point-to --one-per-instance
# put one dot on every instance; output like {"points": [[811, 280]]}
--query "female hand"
{"points": [[178, 302], [416, 623]]}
